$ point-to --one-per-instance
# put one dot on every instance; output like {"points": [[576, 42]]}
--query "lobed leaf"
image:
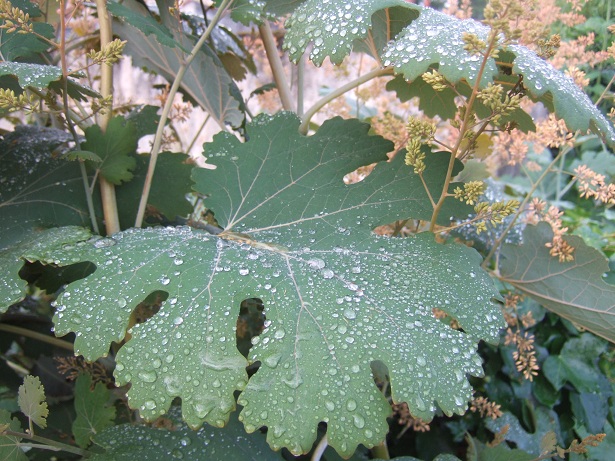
{"points": [[13, 288], [94, 414], [31, 399], [575, 290], [115, 147], [337, 297]]}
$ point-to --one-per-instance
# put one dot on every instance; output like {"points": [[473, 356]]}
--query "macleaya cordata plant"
{"points": [[338, 326]]}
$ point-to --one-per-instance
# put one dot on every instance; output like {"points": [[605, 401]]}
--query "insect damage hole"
{"points": [[250, 323]]}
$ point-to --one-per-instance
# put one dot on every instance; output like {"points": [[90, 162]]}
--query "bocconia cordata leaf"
{"points": [[332, 26], [31, 75], [337, 297], [575, 290]]}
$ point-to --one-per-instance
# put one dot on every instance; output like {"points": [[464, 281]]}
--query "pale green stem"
{"points": [[47, 444], [69, 122], [339, 92], [462, 130], [107, 190], [167, 109], [320, 449], [279, 76], [300, 83], [521, 208], [36, 335], [198, 133]]}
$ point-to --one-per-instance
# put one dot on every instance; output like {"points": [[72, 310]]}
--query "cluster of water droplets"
{"points": [[436, 38], [331, 26], [33, 75]]}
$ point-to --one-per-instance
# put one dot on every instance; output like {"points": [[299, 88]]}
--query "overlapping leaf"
{"points": [[31, 75], [37, 190], [217, 94], [575, 290], [10, 449], [94, 413], [31, 399], [337, 297]]}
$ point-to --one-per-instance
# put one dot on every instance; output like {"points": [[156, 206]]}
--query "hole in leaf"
{"points": [[52, 278], [147, 308], [250, 323]]}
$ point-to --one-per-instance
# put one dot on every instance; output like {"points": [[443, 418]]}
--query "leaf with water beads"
{"points": [[337, 297], [31, 75], [332, 26]]}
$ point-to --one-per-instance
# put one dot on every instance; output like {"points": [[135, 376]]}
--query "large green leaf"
{"points": [[575, 290], [37, 189], [206, 82], [332, 26], [12, 288], [337, 297], [127, 442]]}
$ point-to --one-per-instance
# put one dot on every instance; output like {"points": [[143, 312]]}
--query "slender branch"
{"points": [[48, 444], [320, 449], [197, 134], [380, 72], [167, 109], [69, 122], [462, 130], [36, 335], [521, 208], [279, 76], [300, 83], [107, 190]]}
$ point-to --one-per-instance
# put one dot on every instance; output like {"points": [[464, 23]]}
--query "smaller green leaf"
{"points": [[431, 102], [31, 399], [9, 444], [115, 147], [94, 413], [129, 442], [83, 155], [575, 290], [31, 75], [145, 119], [555, 372]]}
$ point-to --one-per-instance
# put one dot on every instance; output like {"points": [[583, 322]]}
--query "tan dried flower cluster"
{"points": [[180, 111], [72, 366], [525, 353], [593, 185], [404, 418], [485, 408], [536, 213]]}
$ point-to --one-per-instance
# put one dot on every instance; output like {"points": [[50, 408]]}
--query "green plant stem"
{"points": [[462, 130], [167, 109], [305, 123], [107, 190], [521, 208], [279, 76], [300, 83], [36, 335], [47, 444], [320, 449], [69, 121], [381, 451], [199, 131]]}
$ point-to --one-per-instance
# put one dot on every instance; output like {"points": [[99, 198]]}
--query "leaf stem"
{"points": [[107, 189], [462, 130], [380, 72], [320, 449], [167, 109], [279, 76], [47, 444], [521, 208], [300, 83], [36, 335]]}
